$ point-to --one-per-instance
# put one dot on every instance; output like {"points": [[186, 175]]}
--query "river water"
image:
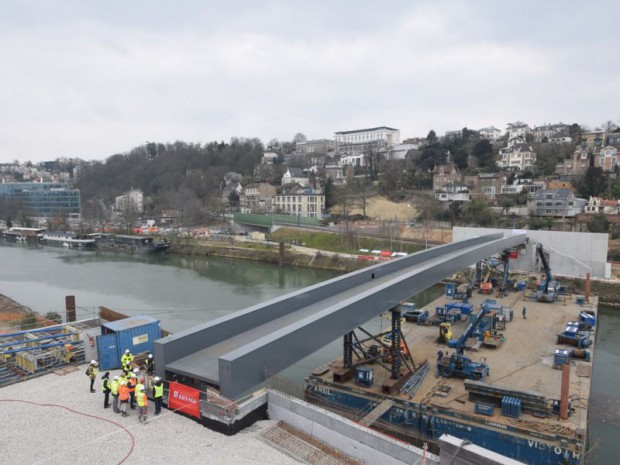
{"points": [[184, 291]]}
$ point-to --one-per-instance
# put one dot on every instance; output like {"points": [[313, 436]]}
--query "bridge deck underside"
{"points": [[235, 358]]}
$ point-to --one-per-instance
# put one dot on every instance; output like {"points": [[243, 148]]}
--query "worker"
{"points": [[140, 385], [524, 312], [123, 396], [143, 404], [127, 356], [106, 388], [439, 355], [131, 385], [148, 364], [114, 390], [127, 368], [487, 335], [158, 394], [92, 371]]}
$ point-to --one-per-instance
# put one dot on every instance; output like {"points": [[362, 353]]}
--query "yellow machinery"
{"points": [[445, 332]]}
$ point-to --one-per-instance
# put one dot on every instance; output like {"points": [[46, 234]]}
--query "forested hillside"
{"points": [[180, 176]]}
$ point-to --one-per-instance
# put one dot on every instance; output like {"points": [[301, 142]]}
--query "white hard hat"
{"points": [[116, 377], [133, 375], [156, 378], [135, 370], [93, 362], [126, 351], [150, 355]]}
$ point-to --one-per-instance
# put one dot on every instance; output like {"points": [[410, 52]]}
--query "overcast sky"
{"points": [[90, 79]]}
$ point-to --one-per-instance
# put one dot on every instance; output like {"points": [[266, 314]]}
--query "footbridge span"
{"points": [[234, 352]]}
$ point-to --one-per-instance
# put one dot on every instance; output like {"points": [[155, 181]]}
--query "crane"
{"points": [[549, 292], [459, 364]]}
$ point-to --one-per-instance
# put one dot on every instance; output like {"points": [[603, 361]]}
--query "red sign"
{"points": [[184, 399]]}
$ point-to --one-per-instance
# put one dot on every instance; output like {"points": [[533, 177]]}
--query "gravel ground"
{"points": [[68, 424]]}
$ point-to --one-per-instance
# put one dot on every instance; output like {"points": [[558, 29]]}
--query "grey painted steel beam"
{"points": [[244, 368], [218, 331]]}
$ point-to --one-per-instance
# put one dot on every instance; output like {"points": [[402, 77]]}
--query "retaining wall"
{"points": [[349, 437]]}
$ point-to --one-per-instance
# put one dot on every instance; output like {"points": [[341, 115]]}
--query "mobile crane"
{"points": [[549, 291], [459, 364]]}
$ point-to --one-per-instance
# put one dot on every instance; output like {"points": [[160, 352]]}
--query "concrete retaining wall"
{"points": [[349, 437], [570, 253]]}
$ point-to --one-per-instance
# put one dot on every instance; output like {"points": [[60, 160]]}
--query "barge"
{"points": [[522, 372]]}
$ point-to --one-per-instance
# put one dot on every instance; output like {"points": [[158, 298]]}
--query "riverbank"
{"points": [[269, 253]]}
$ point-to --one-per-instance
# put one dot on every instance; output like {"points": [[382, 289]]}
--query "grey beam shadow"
{"points": [[189, 341], [245, 367]]}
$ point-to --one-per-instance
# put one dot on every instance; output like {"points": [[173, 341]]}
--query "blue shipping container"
{"points": [[137, 333]]}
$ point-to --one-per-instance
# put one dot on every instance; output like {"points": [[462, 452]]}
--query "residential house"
{"points": [[257, 198], [523, 185], [520, 157], [560, 138], [556, 202], [360, 141], [453, 191], [592, 139], [518, 129], [491, 185], [400, 151], [269, 158], [546, 132], [599, 206], [295, 175], [575, 166], [443, 174], [614, 138], [339, 173], [607, 159], [298, 200], [473, 184], [358, 159], [490, 133]]}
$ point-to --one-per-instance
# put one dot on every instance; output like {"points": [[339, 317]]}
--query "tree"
{"points": [[598, 224], [53, 316], [431, 154], [609, 126], [329, 190], [299, 137], [594, 182], [483, 151]]}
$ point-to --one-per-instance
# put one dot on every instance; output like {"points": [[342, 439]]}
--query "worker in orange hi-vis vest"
{"points": [[123, 395]]}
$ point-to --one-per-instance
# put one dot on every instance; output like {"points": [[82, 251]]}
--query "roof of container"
{"points": [[131, 322]]}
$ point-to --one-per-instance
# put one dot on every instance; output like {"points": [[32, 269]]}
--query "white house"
{"points": [[295, 175], [490, 133]]}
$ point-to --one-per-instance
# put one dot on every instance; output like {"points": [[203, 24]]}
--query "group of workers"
{"points": [[128, 389]]}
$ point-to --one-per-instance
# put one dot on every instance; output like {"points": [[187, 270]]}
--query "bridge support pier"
{"points": [[396, 361], [348, 349]]}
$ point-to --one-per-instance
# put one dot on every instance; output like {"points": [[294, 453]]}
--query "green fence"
{"points": [[268, 221]]}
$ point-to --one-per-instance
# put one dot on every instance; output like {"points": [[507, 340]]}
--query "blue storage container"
{"points": [[511, 407], [364, 376], [450, 289], [137, 333], [560, 357], [484, 409]]}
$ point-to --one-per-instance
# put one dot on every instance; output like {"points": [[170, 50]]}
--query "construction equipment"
{"points": [[472, 328], [445, 332], [548, 291], [462, 366], [572, 335]]}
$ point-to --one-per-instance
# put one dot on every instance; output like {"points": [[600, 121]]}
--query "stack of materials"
{"points": [[530, 402]]}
